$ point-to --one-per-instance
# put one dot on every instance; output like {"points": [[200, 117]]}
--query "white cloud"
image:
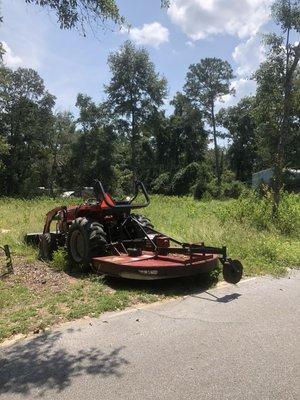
{"points": [[248, 54], [24, 34], [153, 34], [201, 18], [189, 43], [10, 59], [243, 87]]}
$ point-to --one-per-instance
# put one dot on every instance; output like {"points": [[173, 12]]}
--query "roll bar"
{"points": [[100, 194]]}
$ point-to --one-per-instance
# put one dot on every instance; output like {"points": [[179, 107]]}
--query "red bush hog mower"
{"points": [[104, 235]]}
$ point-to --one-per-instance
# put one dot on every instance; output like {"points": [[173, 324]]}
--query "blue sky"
{"points": [[190, 30]]}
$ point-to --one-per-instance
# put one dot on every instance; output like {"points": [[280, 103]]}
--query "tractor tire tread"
{"points": [[95, 237]]}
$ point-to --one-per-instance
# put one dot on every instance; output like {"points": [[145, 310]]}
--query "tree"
{"points": [[275, 79], [59, 148], [81, 14], [135, 90], [187, 126], [93, 151], [240, 123], [206, 82], [25, 121]]}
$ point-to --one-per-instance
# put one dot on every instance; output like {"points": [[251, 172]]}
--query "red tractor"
{"points": [[104, 235]]}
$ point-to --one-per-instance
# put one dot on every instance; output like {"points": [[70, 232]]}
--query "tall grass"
{"points": [[263, 243], [19, 216]]}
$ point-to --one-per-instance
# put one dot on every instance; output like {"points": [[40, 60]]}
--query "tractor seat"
{"points": [[109, 202]]}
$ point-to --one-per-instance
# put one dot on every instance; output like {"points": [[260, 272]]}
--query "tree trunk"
{"points": [[217, 162], [285, 126], [133, 143]]}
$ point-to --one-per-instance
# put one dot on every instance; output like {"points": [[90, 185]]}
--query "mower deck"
{"points": [[150, 266]]}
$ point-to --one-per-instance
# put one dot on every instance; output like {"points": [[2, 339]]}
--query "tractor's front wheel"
{"points": [[85, 240]]}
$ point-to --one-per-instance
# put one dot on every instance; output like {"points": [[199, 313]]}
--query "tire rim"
{"points": [[77, 246]]}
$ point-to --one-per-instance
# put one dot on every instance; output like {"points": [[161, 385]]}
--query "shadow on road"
{"points": [[224, 299], [166, 287], [40, 365]]}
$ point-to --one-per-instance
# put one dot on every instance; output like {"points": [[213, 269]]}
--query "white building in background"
{"points": [[263, 176], [266, 175]]}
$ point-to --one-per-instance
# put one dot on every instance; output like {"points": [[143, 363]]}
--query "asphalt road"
{"points": [[232, 342]]}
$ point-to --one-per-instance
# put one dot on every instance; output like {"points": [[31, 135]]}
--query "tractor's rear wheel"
{"points": [[86, 239]]}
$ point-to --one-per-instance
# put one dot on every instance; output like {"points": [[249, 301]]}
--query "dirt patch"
{"points": [[37, 276]]}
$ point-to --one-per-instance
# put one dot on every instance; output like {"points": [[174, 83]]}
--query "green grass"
{"points": [[263, 248], [23, 310], [246, 226], [18, 217]]}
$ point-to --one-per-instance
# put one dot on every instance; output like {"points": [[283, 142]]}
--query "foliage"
{"points": [[291, 181], [130, 136], [25, 122], [162, 184], [276, 89], [240, 123], [134, 91], [81, 14], [232, 189], [185, 178], [202, 183], [286, 13], [187, 134], [207, 82], [60, 260], [257, 212]]}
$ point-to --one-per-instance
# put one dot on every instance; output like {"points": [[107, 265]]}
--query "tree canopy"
{"points": [[206, 82], [132, 134], [134, 92], [83, 14]]}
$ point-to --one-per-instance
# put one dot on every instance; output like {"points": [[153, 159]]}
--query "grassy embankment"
{"points": [[36, 296]]}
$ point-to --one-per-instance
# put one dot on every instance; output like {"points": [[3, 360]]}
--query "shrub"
{"points": [[213, 189], [233, 189], [292, 181], [204, 177], [251, 209], [287, 219], [185, 179], [123, 183], [161, 185], [60, 260]]}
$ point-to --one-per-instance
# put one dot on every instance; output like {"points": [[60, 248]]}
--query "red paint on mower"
{"points": [[151, 266]]}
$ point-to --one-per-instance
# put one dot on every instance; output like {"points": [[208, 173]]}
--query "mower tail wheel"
{"points": [[85, 239], [47, 245], [232, 271]]}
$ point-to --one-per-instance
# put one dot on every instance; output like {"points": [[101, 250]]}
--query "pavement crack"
{"points": [[194, 319]]}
